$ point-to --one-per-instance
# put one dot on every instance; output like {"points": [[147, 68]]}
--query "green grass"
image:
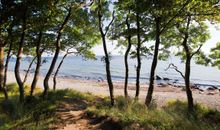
{"points": [[38, 114], [173, 116], [35, 113]]}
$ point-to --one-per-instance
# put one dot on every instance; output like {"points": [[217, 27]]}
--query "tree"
{"points": [[72, 7], [38, 64], [131, 27], [101, 8], [6, 12], [58, 68], [58, 45], [123, 33], [24, 8], [193, 37], [194, 33], [163, 15]]}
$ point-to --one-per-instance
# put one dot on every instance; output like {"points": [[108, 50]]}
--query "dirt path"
{"points": [[71, 115]]}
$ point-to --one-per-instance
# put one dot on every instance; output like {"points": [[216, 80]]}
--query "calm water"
{"points": [[77, 67]]}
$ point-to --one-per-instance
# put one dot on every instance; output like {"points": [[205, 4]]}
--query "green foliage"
{"points": [[215, 55]]}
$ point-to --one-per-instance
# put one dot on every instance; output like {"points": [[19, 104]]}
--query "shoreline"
{"points": [[161, 94]]}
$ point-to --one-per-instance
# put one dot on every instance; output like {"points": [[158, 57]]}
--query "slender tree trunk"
{"points": [[57, 71], [138, 69], [108, 73], [38, 65], [18, 61], [2, 71], [187, 69], [187, 84], [8, 57], [47, 77], [154, 64], [107, 62], [28, 70], [126, 59], [6, 64]]}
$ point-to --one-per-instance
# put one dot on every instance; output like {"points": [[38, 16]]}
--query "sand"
{"points": [[161, 94]]}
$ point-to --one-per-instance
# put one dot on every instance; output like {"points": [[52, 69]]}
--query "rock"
{"points": [[175, 81], [194, 86], [212, 88], [162, 85], [201, 92], [176, 86], [210, 93], [100, 80], [166, 78], [169, 84], [158, 77]]}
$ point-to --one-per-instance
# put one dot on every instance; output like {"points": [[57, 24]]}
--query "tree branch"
{"points": [[187, 2], [172, 66], [28, 70], [196, 51], [107, 28]]}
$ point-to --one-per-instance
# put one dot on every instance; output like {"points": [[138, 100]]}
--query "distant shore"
{"points": [[162, 92]]}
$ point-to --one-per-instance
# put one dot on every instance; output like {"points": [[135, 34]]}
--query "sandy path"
{"points": [[161, 94]]}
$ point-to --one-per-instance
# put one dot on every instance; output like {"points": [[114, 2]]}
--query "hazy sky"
{"points": [[214, 32]]}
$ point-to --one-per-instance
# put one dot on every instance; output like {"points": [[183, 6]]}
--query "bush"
{"points": [[10, 108], [12, 88]]}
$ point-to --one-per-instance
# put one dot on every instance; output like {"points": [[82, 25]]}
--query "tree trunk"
{"points": [[8, 59], [187, 69], [18, 61], [57, 71], [47, 77], [126, 59], [2, 88], [38, 65], [107, 62], [187, 84], [154, 64], [138, 56], [28, 70]]}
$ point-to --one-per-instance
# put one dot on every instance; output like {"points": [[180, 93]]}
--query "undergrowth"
{"points": [[38, 114]]}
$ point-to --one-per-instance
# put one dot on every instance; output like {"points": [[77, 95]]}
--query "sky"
{"points": [[213, 29]]}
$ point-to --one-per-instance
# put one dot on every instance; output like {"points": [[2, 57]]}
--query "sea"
{"points": [[81, 68]]}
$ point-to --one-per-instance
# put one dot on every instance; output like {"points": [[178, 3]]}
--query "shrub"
{"points": [[12, 88]]}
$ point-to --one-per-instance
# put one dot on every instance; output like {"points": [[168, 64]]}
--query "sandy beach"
{"points": [[161, 94]]}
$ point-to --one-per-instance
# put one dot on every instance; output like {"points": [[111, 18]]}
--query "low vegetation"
{"points": [[36, 113]]}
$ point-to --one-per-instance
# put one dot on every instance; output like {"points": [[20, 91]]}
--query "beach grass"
{"points": [[37, 113]]}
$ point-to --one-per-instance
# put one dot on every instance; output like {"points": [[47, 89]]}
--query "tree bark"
{"points": [[47, 77], [126, 59], [138, 56], [154, 64], [8, 58], [38, 65], [18, 60], [107, 62], [57, 71], [188, 69], [187, 84], [28, 70], [2, 88]]}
